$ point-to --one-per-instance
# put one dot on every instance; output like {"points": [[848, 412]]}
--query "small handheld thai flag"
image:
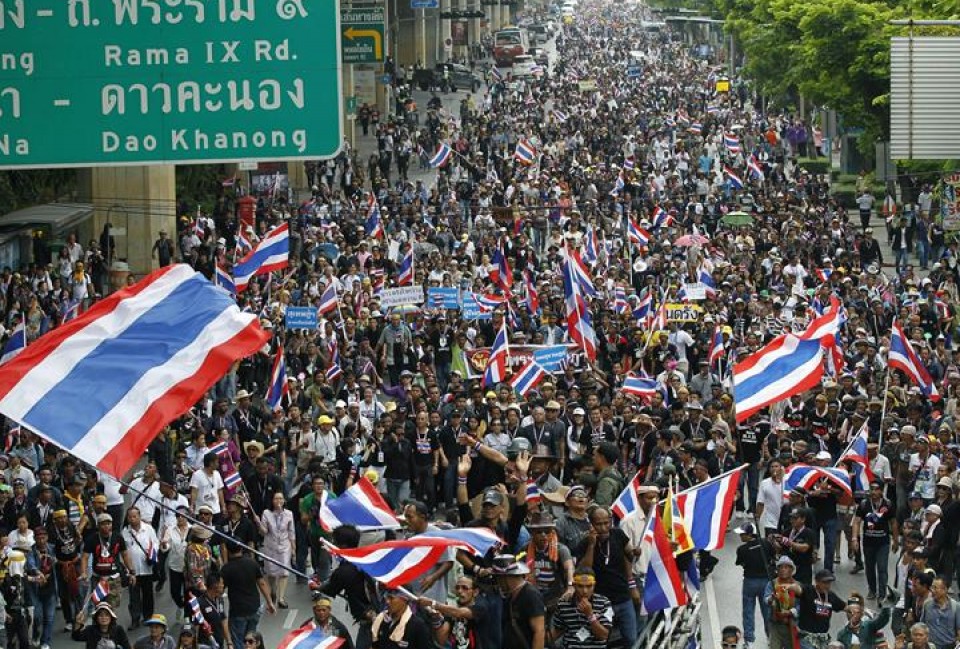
{"points": [[328, 300], [618, 185], [629, 163], [735, 181], [639, 387], [232, 480], [495, 72], [560, 116], [531, 298], [374, 224], [636, 234], [628, 502], [732, 142], [100, 592], [16, 343], [713, 109], [273, 253], [196, 613], [229, 182], [525, 153], [620, 304], [222, 279], [696, 128], [441, 157], [360, 505], [856, 454], [643, 309], [405, 272], [528, 377], [496, 370], [533, 493], [902, 357], [705, 278], [716, 346], [823, 274], [278, 381], [220, 448], [754, 167]]}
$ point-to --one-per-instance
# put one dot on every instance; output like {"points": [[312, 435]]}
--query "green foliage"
{"points": [[199, 185], [19, 189], [815, 166]]}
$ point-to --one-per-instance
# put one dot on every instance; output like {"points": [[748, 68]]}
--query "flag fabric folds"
{"points": [[405, 271], [786, 366], [805, 476], [528, 377], [394, 563], [361, 505], [278, 381], [310, 637], [222, 279], [628, 502], [663, 586], [441, 157], [273, 253], [478, 540], [706, 509], [16, 343], [902, 357], [496, 370], [856, 454], [152, 350]]}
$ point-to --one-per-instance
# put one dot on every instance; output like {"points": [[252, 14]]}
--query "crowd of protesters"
{"points": [[409, 411]]}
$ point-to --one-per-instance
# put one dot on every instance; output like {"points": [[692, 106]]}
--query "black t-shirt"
{"points": [[107, 556], [816, 609], [213, 615], [755, 557], [468, 634], [243, 531], [876, 521], [240, 576], [415, 636], [806, 537], [521, 608], [751, 442], [609, 565], [424, 445]]}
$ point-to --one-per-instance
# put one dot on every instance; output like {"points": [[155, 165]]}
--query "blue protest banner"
{"points": [[443, 297], [550, 357], [470, 309], [301, 317]]}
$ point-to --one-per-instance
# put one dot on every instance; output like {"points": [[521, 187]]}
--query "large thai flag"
{"points": [[902, 357], [328, 300], [16, 343], [663, 586], [395, 563], [525, 153], [826, 326], [496, 371], [150, 352], [478, 540], [405, 271], [278, 381], [716, 347], [735, 181], [362, 506], [856, 454], [222, 279], [310, 637], [806, 476], [441, 157], [639, 387], [628, 502], [706, 509], [528, 377], [636, 234], [579, 323], [273, 253], [787, 366]]}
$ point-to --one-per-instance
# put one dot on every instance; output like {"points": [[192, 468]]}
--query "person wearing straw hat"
{"points": [[104, 628]]}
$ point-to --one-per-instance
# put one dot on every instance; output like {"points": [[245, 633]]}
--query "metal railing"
{"points": [[677, 628]]}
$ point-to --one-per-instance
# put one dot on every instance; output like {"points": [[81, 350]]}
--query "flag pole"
{"points": [[710, 481]]}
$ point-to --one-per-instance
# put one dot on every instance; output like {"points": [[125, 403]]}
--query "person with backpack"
{"points": [[610, 481], [111, 560]]}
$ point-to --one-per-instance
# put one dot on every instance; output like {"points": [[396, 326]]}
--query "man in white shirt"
{"points": [[770, 498], [206, 486], [325, 440], [143, 548], [145, 492], [923, 465]]}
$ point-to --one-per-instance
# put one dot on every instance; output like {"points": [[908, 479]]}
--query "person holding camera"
{"points": [[143, 547], [112, 562]]}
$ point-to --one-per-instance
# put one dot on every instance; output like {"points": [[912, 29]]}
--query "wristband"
{"points": [[593, 618], [631, 584], [461, 480], [477, 446]]}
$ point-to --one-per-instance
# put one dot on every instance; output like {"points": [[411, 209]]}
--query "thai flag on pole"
{"points": [[152, 350], [620, 304], [12, 440], [496, 371], [590, 251], [641, 387], [395, 563], [328, 300], [826, 326], [660, 218], [643, 309], [735, 181], [220, 448], [902, 357], [754, 168], [532, 298], [405, 272], [525, 153], [629, 163], [560, 116], [478, 540], [713, 109], [823, 274], [636, 234], [787, 366], [273, 253], [71, 312], [618, 185], [441, 157], [310, 637], [660, 319], [696, 128], [16, 343], [243, 244], [806, 476], [374, 224], [100, 592], [198, 228], [501, 274], [856, 454], [495, 71], [732, 142], [706, 279], [579, 322], [222, 279], [232, 480], [278, 381], [360, 505], [663, 586], [581, 273], [528, 377], [716, 347], [628, 502], [196, 614], [706, 509]]}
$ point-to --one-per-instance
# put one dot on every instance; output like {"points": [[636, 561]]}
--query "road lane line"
{"points": [[291, 618]]}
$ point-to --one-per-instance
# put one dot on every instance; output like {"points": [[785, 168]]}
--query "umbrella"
{"points": [[691, 240], [405, 309], [737, 218]]}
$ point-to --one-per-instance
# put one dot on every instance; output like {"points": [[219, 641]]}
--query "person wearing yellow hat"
{"points": [[323, 618], [326, 440]]}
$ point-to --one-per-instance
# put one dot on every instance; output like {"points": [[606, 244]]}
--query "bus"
{"points": [[508, 43]]}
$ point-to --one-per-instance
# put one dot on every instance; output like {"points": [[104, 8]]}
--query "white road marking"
{"points": [[292, 617], [712, 613]]}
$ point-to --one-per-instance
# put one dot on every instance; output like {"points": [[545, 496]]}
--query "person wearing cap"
{"points": [[111, 559], [876, 532], [397, 627], [104, 627], [551, 563], [324, 619], [523, 615], [585, 619], [798, 543], [157, 637], [246, 417], [187, 639], [237, 524], [934, 535], [815, 604], [863, 631], [754, 555], [781, 602]]}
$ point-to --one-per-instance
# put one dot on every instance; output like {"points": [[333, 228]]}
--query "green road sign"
{"points": [[95, 83], [361, 34]]}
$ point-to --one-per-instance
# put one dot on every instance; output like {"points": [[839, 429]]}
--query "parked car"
{"points": [[524, 67], [540, 56], [457, 77]]}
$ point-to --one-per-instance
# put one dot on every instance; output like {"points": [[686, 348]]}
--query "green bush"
{"points": [[815, 166]]}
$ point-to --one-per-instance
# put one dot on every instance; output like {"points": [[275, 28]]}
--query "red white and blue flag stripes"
{"points": [[362, 506], [754, 168], [152, 349], [441, 157], [273, 253], [310, 637], [824, 274], [196, 613], [641, 387], [405, 271], [706, 509], [496, 370], [787, 366], [525, 153], [636, 234], [395, 563], [528, 377], [328, 300], [278, 382], [709, 286], [628, 502], [806, 476], [100, 592], [374, 224], [825, 327], [501, 274], [661, 218], [581, 273], [732, 142], [15, 344], [531, 297], [579, 323], [733, 178], [232, 480], [716, 346], [663, 586], [902, 357], [644, 309], [620, 304], [477, 540], [856, 455], [222, 279], [590, 251]]}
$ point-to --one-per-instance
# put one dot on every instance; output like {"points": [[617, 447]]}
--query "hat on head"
{"points": [[786, 561], [823, 455], [933, 509], [156, 618], [746, 528], [541, 521], [200, 532], [324, 420], [552, 405], [824, 575], [920, 553], [916, 495], [104, 606], [945, 482], [257, 446], [492, 497], [104, 518], [242, 394]]}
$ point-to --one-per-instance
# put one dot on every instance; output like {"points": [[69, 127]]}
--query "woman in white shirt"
{"points": [[173, 541]]}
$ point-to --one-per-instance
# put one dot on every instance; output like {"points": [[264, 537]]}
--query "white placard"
{"points": [[695, 291], [401, 295]]}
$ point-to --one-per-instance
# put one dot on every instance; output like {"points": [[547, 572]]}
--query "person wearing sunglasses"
{"points": [[253, 640], [730, 637], [462, 624]]}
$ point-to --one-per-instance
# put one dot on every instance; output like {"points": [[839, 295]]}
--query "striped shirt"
{"points": [[575, 627]]}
